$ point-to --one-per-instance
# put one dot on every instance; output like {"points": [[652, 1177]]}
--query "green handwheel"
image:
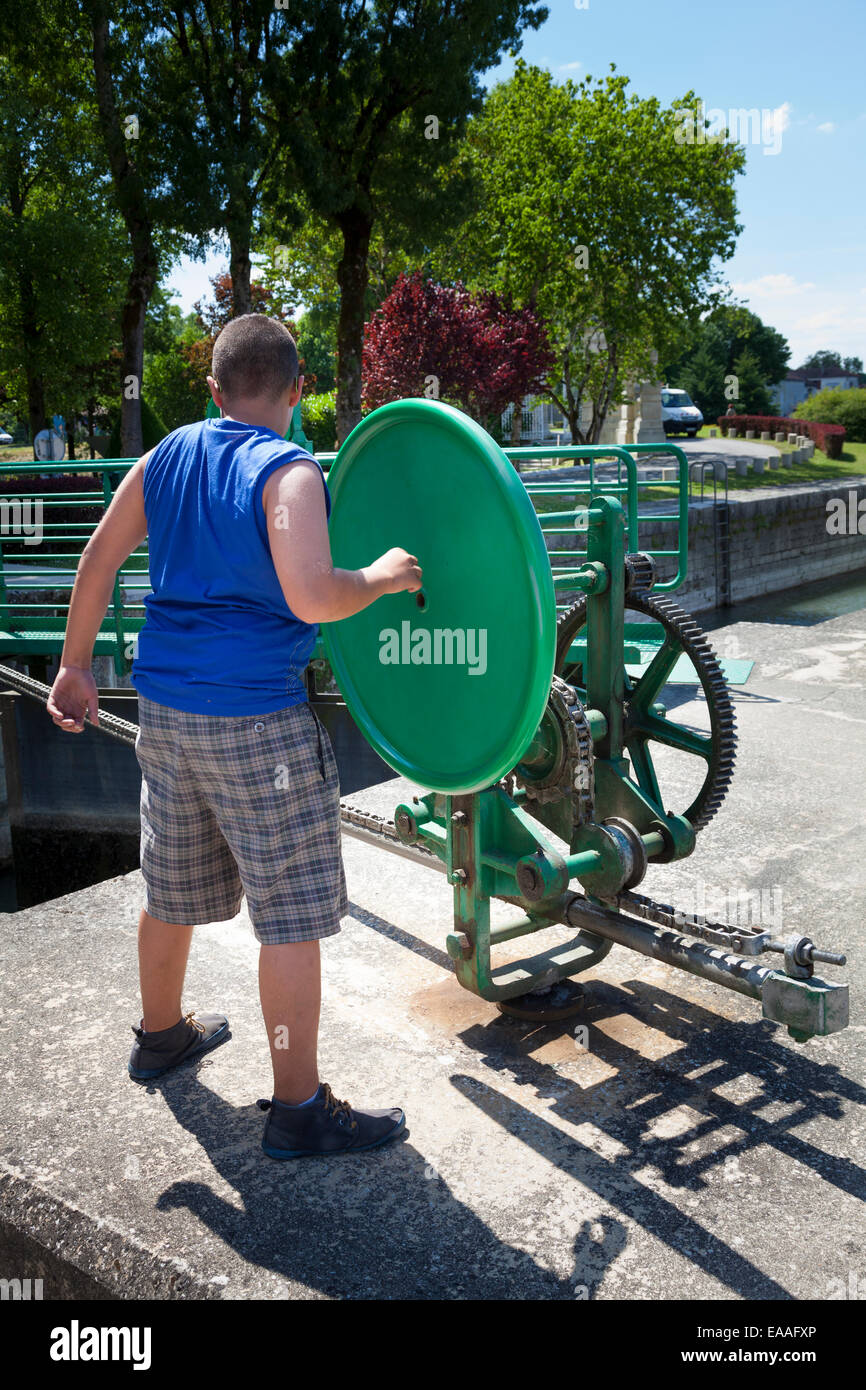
{"points": [[448, 684]]}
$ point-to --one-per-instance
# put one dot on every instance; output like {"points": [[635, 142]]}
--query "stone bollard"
{"points": [[743, 466], [714, 433], [765, 434], [780, 436], [792, 438], [759, 465], [775, 461], [750, 434]]}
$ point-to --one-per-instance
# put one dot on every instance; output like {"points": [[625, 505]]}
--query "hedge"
{"points": [[319, 420], [839, 406], [829, 438]]}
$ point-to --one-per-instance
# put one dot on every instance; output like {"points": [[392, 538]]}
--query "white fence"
{"points": [[537, 423]]}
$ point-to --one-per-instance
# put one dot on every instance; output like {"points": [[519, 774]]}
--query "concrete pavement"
{"points": [[689, 1149]]}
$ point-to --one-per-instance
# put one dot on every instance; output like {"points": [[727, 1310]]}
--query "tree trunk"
{"points": [[35, 403], [132, 201], [139, 288], [31, 334], [70, 432], [352, 276], [516, 429], [240, 268]]}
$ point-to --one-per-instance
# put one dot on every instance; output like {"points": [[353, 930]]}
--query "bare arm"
{"points": [[120, 531], [316, 592]]}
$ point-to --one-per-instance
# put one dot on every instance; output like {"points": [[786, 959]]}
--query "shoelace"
{"points": [[337, 1107], [187, 1018], [334, 1107]]}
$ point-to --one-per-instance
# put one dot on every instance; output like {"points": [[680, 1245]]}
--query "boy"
{"points": [[241, 572]]}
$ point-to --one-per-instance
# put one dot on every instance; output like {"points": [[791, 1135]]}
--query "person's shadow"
{"points": [[386, 1225], [379, 1225]]}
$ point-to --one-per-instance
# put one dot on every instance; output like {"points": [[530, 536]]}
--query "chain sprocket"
{"points": [[572, 774], [677, 623]]}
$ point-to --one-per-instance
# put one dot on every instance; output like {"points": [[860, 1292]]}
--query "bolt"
{"points": [[458, 876], [528, 879], [459, 818]]}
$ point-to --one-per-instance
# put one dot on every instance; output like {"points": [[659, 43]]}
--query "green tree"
{"points": [[704, 361], [61, 263], [317, 345], [825, 363], [149, 142], [753, 395], [837, 406], [372, 101], [173, 387], [223, 58], [592, 212]]}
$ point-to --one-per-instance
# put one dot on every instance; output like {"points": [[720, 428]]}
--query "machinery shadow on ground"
{"points": [[672, 696], [677, 1116], [386, 1225]]}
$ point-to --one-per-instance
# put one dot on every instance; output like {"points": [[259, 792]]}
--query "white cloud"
{"points": [[811, 316], [781, 117], [569, 67], [773, 287], [833, 319], [827, 128]]}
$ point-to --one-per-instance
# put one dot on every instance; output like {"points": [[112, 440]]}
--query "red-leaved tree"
{"points": [[442, 342]]}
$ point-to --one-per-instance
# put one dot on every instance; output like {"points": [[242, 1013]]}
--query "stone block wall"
{"points": [[777, 542]]}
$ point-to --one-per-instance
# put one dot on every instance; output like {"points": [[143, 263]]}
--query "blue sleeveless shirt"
{"points": [[219, 637]]}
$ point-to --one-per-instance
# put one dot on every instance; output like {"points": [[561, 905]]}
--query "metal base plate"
{"points": [[561, 1000]]}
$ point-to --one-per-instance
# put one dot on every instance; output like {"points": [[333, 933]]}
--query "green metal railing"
{"points": [[35, 623], [626, 487], [33, 611], [626, 490]]}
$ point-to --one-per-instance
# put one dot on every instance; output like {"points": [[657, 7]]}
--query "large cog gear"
{"points": [[682, 635]]}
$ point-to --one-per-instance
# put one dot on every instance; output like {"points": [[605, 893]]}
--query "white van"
{"points": [[680, 415]]}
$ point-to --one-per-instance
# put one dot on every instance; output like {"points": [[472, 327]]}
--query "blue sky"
{"points": [[801, 258]]}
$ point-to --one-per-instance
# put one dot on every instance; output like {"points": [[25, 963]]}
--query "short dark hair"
{"points": [[254, 356]]}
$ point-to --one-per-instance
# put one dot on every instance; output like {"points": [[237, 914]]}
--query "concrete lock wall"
{"points": [[775, 542], [69, 804], [70, 813]]}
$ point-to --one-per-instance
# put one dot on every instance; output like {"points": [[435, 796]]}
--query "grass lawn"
{"points": [[817, 469], [15, 453]]}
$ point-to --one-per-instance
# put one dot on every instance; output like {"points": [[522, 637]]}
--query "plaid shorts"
{"points": [[234, 804]]}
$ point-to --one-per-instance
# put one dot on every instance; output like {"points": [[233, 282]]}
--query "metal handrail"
{"points": [[26, 622], [125, 617]]}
